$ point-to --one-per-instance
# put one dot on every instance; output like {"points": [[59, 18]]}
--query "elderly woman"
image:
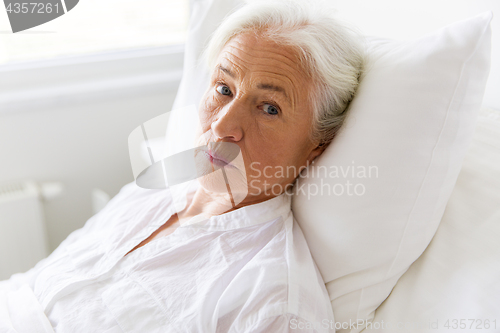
{"points": [[282, 77]]}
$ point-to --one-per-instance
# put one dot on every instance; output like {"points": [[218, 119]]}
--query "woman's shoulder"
{"points": [[130, 201], [132, 192], [281, 281], [310, 300]]}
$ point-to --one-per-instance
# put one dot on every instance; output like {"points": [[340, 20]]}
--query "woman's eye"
{"points": [[223, 90], [271, 109]]}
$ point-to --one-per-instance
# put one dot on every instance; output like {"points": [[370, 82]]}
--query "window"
{"points": [[95, 26]]}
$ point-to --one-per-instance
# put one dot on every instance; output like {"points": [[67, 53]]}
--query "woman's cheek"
{"points": [[206, 112]]}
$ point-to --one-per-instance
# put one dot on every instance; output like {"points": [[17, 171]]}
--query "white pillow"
{"points": [[412, 119], [455, 282], [205, 17]]}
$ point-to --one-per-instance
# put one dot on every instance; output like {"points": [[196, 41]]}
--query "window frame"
{"points": [[63, 81]]}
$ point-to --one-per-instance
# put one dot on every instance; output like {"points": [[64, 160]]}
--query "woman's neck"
{"points": [[208, 204]]}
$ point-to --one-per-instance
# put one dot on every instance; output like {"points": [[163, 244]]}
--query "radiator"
{"points": [[23, 236]]}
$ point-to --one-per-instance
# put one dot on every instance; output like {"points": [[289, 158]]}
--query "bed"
{"points": [[415, 248]]}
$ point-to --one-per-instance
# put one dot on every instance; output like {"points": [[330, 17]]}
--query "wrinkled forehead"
{"points": [[252, 57], [259, 50]]}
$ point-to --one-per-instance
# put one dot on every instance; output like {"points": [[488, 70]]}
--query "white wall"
{"points": [[84, 146], [71, 122], [411, 19]]}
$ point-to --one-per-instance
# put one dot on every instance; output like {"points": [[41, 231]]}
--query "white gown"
{"points": [[249, 270]]}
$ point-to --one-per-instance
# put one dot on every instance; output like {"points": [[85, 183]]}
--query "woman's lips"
{"points": [[217, 160], [220, 154]]}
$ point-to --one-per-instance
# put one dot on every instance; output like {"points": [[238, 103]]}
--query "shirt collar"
{"points": [[271, 209]]}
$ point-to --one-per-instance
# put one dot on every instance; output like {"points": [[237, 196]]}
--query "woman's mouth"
{"points": [[217, 160]]}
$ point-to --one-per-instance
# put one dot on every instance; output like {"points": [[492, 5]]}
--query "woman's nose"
{"points": [[228, 124]]}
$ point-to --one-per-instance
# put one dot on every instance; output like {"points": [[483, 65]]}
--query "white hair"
{"points": [[330, 51]]}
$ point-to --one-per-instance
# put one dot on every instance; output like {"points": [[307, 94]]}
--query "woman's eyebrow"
{"points": [[227, 71], [264, 86], [272, 87]]}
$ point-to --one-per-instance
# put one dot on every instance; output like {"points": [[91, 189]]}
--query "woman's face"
{"points": [[258, 100]]}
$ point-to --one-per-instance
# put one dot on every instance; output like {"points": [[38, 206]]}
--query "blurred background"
{"points": [[72, 90]]}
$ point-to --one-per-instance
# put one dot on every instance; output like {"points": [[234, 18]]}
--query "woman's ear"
{"points": [[316, 152]]}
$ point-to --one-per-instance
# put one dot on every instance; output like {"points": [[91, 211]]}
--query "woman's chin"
{"points": [[213, 183], [236, 191]]}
